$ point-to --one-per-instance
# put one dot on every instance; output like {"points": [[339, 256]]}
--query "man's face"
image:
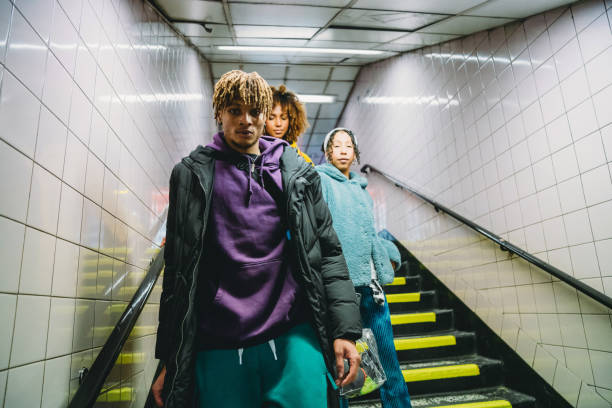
{"points": [[242, 126]]}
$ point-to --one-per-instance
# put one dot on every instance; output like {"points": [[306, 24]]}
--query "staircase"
{"points": [[440, 364]]}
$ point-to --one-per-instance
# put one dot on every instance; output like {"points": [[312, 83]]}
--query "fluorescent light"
{"points": [[311, 50], [317, 98]]}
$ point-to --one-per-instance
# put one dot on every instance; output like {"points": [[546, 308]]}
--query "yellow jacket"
{"points": [[301, 153]]}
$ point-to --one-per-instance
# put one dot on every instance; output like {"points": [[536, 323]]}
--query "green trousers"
{"points": [[287, 372]]}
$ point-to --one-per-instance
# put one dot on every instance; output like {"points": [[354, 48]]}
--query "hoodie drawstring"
{"points": [[272, 345], [273, 348]]}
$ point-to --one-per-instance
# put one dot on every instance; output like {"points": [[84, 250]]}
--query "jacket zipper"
{"points": [[191, 291]]}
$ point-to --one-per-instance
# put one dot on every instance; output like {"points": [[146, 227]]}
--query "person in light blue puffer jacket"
{"points": [[370, 258]]}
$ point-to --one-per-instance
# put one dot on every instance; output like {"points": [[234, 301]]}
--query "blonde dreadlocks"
{"points": [[298, 121], [250, 89]]}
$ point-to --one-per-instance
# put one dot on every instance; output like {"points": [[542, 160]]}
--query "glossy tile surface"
{"points": [[510, 128], [98, 101]]}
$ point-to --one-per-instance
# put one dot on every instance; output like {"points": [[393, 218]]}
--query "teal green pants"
{"points": [[287, 372]]}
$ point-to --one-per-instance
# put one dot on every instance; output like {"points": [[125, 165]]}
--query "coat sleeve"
{"points": [[344, 319], [392, 250], [169, 276]]}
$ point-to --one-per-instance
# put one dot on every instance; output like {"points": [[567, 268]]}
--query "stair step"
{"points": [[404, 284], [406, 324], [434, 345], [499, 397], [452, 374], [409, 302]]}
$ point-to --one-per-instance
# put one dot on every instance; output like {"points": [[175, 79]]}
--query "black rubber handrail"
{"points": [[503, 244], [93, 380]]}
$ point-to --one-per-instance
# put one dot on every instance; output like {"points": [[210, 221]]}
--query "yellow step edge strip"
{"points": [[438, 373], [482, 404], [413, 318], [404, 297], [424, 342], [398, 281]]}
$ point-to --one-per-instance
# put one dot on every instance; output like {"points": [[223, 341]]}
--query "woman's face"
{"points": [[277, 122], [342, 152]]}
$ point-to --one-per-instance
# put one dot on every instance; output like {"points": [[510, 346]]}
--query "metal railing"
{"points": [[92, 380], [503, 244]]}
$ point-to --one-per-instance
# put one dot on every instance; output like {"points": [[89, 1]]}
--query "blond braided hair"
{"points": [[239, 86]]}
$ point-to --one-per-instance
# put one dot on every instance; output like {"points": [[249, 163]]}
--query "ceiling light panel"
{"points": [[341, 34], [193, 29], [464, 25], [420, 6], [316, 98], [516, 8], [342, 44], [422, 39], [271, 42], [268, 71], [307, 87], [268, 14], [300, 50], [317, 138], [326, 3], [323, 59], [308, 72], [207, 11], [210, 41], [344, 73], [385, 19], [397, 47], [323, 126], [274, 31], [339, 88], [331, 110]]}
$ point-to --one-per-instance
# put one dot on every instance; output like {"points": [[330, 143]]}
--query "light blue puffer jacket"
{"points": [[352, 213]]}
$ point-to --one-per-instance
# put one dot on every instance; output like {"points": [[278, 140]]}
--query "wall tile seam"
{"points": [[99, 68], [79, 243], [80, 141]]}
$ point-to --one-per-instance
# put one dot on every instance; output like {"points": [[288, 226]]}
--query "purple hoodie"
{"points": [[246, 249]]}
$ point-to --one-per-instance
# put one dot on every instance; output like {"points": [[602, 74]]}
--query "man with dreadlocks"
{"points": [[257, 306]]}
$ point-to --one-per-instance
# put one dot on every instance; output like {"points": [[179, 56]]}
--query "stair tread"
{"points": [[461, 397], [485, 394], [435, 310], [450, 361], [456, 333]]}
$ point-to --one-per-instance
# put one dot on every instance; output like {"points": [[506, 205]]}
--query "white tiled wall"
{"points": [[98, 100], [512, 128]]}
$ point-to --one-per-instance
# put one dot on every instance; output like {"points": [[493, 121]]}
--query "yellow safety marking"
{"points": [[413, 318], [398, 281], [116, 395], [438, 373], [424, 342], [482, 404], [404, 297], [130, 358]]}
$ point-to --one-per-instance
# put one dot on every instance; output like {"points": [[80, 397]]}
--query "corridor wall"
{"points": [[98, 100], [512, 128]]}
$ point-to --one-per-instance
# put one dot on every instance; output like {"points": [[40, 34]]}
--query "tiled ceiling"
{"points": [[389, 26]]}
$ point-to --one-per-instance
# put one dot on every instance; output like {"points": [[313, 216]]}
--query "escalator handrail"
{"points": [[88, 391], [503, 244]]}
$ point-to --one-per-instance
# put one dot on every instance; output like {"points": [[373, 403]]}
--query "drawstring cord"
{"points": [[273, 348], [272, 345], [240, 351]]}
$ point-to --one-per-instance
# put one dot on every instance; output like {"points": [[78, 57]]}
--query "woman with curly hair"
{"points": [[287, 120]]}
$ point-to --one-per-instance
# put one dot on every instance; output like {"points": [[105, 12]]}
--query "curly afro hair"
{"points": [[296, 111]]}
